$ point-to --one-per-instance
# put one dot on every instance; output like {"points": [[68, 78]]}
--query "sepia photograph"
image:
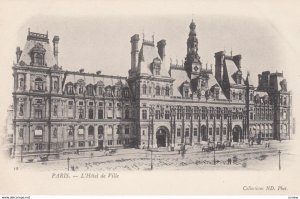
{"points": [[160, 97]]}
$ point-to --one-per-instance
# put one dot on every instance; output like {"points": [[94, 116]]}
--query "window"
{"points": [[38, 59], [126, 114], [196, 112], [211, 113], [100, 90], [186, 93], [91, 131], [38, 84], [217, 131], [80, 130], [119, 142], [21, 83], [100, 104], [224, 131], [126, 92], [100, 114], [178, 132], [38, 113], [179, 112], [81, 144], [157, 90], [89, 90], [167, 91], [69, 88], [70, 131], [240, 96], [218, 113], [38, 132], [144, 89], [127, 130], [203, 113], [70, 103], [91, 143], [187, 132], [225, 113], [80, 89], [187, 112], [157, 114], [91, 103], [110, 142], [195, 131], [210, 131], [251, 115], [150, 89], [80, 103], [167, 114], [157, 70], [70, 144], [144, 114], [91, 114], [81, 113]]}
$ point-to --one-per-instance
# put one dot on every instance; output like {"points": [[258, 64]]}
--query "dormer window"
{"points": [[156, 66], [69, 88], [157, 70], [38, 55], [186, 93], [89, 90]]}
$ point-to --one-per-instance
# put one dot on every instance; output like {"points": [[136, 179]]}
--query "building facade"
{"points": [[57, 110]]}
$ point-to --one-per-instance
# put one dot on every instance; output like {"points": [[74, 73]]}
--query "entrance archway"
{"points": [[236, 133], [162, 137], [204, 133]]}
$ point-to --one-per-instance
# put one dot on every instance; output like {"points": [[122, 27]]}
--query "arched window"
{"points": [[38, 82], [89, 90], [91, 130], [157, 90], [126, 92], [150, 89], [167, 91], [69, 88], [91, 114], [144, 89], [21, 83], [100, 132]]}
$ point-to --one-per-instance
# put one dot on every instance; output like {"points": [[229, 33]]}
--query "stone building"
{"points": [[57, 110]]}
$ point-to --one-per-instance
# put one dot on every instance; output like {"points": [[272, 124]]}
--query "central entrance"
{"points": [[236, 133], [162, 137]]}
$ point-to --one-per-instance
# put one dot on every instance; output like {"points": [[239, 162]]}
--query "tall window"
{"points": [[69, 88], [157, 90], [81, 113], [38, 59], [144, 89], [187, 132], [203, 113], [127, 130], [100, 114], [157, 70], [157, 114], [186, 93], [38, 113], [91, 114], [218, 113], [178, 132], [195, 131], [91, 130], [70, 131], [179, 112], [150, 89], [167, 114], [89, 90], [38, 84], [55, 110], [144, 114], [167, 91], [80, 130]]}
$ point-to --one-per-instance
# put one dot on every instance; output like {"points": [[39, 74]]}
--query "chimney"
{"points": [[237, 60], [134, 51], [18, 53], [55, 48], [98, 72], [161, 49], [219, 68]]}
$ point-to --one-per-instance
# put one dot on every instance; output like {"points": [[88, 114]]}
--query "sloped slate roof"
{"points": [[231, 69], [49, 57]]}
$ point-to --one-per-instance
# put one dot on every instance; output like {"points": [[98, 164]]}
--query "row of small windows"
{"points": [[158, 90], [196, 113], [203, 131], [92, 90]]}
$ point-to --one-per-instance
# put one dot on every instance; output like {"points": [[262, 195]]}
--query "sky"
{"points": [[96, 35]]}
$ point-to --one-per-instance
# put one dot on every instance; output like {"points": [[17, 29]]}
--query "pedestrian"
{"points": [[229, 160]]}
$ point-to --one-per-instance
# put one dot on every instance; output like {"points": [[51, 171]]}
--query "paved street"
{"points": [[255, 157]]}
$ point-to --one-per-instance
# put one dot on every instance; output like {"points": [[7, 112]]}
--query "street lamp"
{"points": [[279, 152], [151, 112], [68, 159]]}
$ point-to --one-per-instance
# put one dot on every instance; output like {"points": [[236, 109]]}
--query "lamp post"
{"points": [[279, 152], [151, 128], [68, 159]]}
